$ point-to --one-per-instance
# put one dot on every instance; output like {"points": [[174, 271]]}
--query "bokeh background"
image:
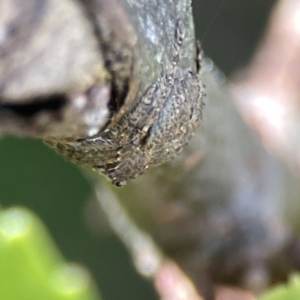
{"points": [[34, 176]]}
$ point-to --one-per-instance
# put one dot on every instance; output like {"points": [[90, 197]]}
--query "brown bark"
{"points": [[68, 68], [217, 209]]}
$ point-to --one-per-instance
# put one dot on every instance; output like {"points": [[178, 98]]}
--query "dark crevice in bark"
{"points": [[50, 103], [114, 57]]}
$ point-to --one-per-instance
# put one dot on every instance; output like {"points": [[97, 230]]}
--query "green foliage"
{"points": [[30, 265], [291, 291]]}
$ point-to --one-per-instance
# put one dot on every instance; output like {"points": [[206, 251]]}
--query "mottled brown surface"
{"points": [[218, 209], [154, 131]]}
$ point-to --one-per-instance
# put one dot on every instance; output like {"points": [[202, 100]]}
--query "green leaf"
{"points": [[31, 267], [291, 291]]}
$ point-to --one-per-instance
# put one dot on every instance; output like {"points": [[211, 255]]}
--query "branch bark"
{"points": [[69, 68], [217, 209]]}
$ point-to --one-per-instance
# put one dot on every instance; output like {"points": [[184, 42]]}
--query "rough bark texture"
{"points": [[69, 69]]}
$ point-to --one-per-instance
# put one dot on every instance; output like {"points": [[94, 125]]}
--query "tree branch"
{"points": [[213, 209], [71, 69]]}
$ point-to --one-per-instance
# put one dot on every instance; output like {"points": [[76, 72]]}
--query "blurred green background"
{"points": [[34, 176]]}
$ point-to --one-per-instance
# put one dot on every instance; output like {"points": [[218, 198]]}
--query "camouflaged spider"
{"points": [[154, 131]]}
